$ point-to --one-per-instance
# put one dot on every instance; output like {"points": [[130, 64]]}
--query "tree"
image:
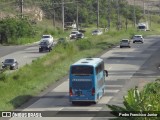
{"points": [[13, 28], [135, 101]]}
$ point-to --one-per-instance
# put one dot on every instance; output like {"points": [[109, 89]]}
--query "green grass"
{"points": [[29, 80]]}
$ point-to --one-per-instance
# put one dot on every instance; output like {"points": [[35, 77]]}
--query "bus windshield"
{"points": [[82, 70]]}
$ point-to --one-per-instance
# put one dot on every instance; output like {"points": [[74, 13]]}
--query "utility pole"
{"points": [[21, 7], [159, 7], [118, 20], [134, 15], [149, 15], [143, 7], [97, 14], [63, 15], [126, 22], [54, 20], [108, 13], [77, 22]]}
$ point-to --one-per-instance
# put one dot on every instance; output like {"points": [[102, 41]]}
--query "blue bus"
{"points": [[87, 80]]}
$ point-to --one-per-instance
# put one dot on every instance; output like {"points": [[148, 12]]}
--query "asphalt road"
{"points": [[24, 54], [128, 67], [5, 50]]}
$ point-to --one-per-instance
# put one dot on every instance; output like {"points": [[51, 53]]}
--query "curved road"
{"points": [[127, 67]]}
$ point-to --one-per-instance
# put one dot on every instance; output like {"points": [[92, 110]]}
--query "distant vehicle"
{"points": [[48, 38], [87, 80], [82, 30], [97, 32], [138, 38], [46, 43], [143, 26], [79, 36], [73, 34], [61, 40], [125, 43], [45, 46], [11, 63]]}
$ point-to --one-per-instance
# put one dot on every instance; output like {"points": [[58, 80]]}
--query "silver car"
{"points": [[138, 38], [97, 32], [125, 43]]}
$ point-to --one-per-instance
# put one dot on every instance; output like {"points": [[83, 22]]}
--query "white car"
{"points": [[97, 32], [73, 34], [125, 43], [138, 38], [48, 38]]}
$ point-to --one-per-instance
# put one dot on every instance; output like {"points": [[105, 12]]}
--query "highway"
{"points": [[24, 54], [127, 68]]}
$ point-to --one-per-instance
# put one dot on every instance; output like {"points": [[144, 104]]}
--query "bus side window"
{"points": [[106, 72], [100, 68]]}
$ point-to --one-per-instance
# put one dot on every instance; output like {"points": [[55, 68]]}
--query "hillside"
{"points": [[46, 15], [39, 9]]}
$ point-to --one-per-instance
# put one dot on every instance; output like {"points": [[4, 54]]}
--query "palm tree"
{"points": [[135, 101]]}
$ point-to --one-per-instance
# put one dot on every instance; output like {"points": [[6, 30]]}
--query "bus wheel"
{"points": [[103, 91], [74, 102], [98, 97], [95, 102]]}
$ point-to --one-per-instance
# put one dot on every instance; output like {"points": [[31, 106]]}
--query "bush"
{"points": [[84, 44], [2, 76], [13, 28]]}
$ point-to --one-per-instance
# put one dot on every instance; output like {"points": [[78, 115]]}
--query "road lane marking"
{"points": [[105, 99], [109, 68], [112, 91], [113, 85]]}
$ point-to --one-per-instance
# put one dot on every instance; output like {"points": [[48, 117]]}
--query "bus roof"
{"points": [[88, 61]]}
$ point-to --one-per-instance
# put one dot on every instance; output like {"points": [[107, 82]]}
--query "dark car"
{"points": [[79, 36], [11, 63], [45, 46]]}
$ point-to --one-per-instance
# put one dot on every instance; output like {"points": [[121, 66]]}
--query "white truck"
{"points": [[143, 26], [46, 43]]}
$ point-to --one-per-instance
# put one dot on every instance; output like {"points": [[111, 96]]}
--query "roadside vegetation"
{"points": [[145, 101], [12, 29]]}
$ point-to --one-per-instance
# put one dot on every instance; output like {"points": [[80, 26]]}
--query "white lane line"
{"points": [[109, 68], [83, 108], [112, 91], [113, 85], [44, 109], [105, 99], [64, 85]]}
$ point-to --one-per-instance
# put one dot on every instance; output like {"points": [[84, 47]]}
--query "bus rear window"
{"points": [[82, 70]]}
